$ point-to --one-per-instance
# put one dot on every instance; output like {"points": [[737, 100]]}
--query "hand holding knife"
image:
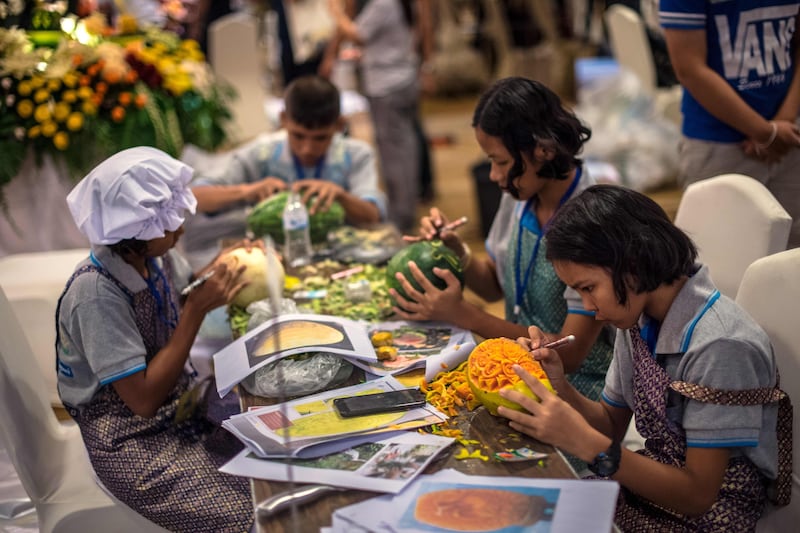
{"points": [[196, 283]]}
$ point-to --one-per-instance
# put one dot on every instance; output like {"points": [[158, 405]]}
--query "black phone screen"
{"points": [[382, 402]]}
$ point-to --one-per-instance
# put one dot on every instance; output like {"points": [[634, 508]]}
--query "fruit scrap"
{"points": [[450, 391], [464, 453], [386, 353], [381, 338]]}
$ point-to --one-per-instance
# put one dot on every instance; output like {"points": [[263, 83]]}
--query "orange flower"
{"points": [[101, 87], [140, 100], [131, 76], [85, 81], [118, 114], [112, 76], [125, 98]]}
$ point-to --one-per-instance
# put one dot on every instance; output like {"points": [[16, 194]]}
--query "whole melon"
{"points": [[489, 369], [427, 255], [266, 218], [259, 265]]}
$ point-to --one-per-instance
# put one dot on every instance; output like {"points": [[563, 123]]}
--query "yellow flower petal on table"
{"points": [[462, 454]]}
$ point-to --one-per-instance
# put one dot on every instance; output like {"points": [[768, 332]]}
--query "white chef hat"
{"points": [[138, 193]]}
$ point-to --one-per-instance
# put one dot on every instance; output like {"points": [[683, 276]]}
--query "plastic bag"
{"points": [[629, 132], [289, 376]]}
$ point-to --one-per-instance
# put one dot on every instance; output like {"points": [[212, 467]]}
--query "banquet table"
{"points": [[492, 432]]}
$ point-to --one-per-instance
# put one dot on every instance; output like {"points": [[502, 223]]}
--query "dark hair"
{"points": [[624, 232], [522, 113], [129, 247], [312, 101]]}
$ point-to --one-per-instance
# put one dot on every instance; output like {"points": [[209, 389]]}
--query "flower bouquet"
{"points": [[98, 92]]}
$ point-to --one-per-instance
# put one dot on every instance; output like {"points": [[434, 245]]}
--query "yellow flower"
{"points": [[41, 95], [53, 84], [61, 140], [178, 85], [127, 24], [74, 121], [24, 88], [34, 132], [61, 111], [70, 79], [69, 96], [37, 82], [49, 128], [166, 66], [84, 93], [25, 108], [88, 108], [42, 113]]}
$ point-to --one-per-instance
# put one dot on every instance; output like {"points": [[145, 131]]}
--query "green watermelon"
{"points": [[266, 218], [427, 255]]}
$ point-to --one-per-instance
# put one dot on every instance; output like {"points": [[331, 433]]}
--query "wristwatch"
{"points": [[607, 463]]}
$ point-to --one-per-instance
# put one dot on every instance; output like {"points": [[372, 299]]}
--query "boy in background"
{"points": [[308, 154]]}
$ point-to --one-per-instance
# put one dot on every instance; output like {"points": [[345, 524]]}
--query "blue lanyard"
{"points": [[520, 283], [301, 172], [151, 286]]}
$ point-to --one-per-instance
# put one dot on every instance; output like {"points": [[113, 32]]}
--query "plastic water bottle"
{"points": [[297, 240]]}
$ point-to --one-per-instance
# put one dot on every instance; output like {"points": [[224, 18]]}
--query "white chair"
{"points": [[50, 457], [33, 283], [770, 292], [734, 220], [627, 36], [233, 51]]}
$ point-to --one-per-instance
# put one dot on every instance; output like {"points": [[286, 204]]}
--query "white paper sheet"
{"points": [[572, 506], [288, 335], [309, 427], [383, 463]]}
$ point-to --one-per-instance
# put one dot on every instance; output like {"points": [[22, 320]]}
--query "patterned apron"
{"points": [[743, 493], [166, 470]]}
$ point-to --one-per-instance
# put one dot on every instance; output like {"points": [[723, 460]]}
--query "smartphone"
{"points": [[382, 402]]}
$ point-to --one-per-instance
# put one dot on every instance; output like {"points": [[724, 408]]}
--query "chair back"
{"points": [[770, 292], [734, 220], [234, 53], [33, 282], [29, 429], [628, 38]]}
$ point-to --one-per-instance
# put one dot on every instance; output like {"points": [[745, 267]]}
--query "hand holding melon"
{"points": [[259, 265], [489, 370]]}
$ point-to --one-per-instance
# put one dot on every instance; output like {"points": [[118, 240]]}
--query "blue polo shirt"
{"points": [[748, 44]]}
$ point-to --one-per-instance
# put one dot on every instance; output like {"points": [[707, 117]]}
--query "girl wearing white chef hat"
{"points": [[123, 340]]}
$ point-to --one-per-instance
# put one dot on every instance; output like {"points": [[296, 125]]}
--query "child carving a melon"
{"points": [[490, 370]]}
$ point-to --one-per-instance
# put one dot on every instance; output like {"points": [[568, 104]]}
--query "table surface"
{"points": [[492, 432]]}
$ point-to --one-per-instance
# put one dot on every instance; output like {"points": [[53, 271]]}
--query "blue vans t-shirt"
{"points": [[748, 44]]}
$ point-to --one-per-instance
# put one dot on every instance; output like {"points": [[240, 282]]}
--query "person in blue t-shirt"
{"points": [[737, 63]]}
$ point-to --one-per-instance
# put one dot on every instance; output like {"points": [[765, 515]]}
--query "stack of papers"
{"points": [[310, 427], [385, 462], [452, 501]]}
